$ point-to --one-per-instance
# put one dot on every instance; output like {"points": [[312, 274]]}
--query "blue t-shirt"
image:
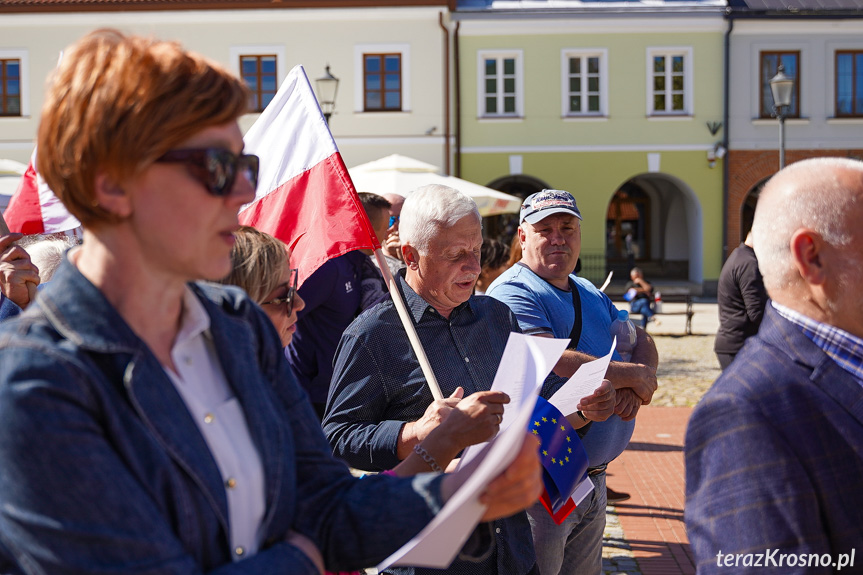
{"points": [[542, 308]]}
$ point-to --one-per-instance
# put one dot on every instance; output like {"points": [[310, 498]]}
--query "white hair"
{"points": [[430, 208], [808, 194], [46, 253]]}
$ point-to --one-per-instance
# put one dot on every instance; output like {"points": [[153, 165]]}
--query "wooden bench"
{"points": [[676, 296]]}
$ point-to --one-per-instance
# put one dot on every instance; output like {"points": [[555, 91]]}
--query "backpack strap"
{"points": [[575, 334]]}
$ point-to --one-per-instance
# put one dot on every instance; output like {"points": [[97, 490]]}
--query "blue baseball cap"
{"points": [[547, 202]]}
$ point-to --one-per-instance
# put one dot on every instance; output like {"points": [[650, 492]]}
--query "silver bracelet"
{"points": [[427, 458]]}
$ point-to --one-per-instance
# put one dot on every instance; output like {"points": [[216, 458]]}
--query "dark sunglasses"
{"points": [[288, 300], [393, 220], [215, 168]]}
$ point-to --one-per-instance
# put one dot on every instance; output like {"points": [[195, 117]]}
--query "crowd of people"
{"points": [[171, 366], [172, 401]]}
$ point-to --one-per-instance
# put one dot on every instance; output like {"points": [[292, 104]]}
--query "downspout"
{"points": [[457, 64], [725, 139], [446, 94]]}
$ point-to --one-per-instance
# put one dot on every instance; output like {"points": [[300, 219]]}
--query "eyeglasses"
{"points": [[288, 300], [393, 220], [215, 168]]}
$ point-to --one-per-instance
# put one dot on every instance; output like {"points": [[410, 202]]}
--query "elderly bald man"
{"points": [[774, 451]]}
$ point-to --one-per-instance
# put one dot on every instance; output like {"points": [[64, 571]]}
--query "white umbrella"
{"points": [[397, 174]]}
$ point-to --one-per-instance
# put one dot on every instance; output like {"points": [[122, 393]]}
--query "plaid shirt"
{"points": [[842, 347]]}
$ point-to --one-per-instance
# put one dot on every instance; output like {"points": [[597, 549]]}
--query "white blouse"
{"points": [[220, 418]]}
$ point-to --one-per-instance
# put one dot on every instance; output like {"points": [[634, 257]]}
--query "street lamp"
{"points": [[781, 86], [327, 86]]}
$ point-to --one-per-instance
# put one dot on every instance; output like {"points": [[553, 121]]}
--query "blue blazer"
{"points": [[774, 458], [103, 469]]}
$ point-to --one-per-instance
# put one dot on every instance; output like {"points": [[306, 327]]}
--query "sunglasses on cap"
{"points": [[215, 168], [287, 300]]}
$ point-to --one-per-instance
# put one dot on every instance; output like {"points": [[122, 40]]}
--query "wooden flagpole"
{"points": [[408, 323]]}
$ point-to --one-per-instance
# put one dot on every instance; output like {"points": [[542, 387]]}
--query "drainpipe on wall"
{"points": [[725, 139], [446, 94], [457, 79]]}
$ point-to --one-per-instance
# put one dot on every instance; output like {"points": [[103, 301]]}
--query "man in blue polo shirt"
{"points": [[550, 301]]}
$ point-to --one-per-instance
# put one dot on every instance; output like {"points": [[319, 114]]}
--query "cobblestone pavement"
{"points": [[687, 369], [687, 364]]}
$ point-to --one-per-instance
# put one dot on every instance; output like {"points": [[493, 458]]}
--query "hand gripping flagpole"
{"points": [[408, 323]]}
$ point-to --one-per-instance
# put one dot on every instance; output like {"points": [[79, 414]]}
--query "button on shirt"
{"points": [[378, 385], [219, 416]]}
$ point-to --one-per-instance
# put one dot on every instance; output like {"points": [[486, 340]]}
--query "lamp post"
{"points": [[327, 86], [781, 87]]}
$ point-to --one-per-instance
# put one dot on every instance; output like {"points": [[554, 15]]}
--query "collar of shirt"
{"points": [[418, 306], [842, 347], [194, 319]]}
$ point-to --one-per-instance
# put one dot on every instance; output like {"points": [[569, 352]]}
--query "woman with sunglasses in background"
{"points": [[260, 265], [149, 423]]}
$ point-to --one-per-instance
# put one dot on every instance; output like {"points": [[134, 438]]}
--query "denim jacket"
{"points": [[102, 468]]}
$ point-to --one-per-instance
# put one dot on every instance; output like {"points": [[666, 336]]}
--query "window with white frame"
{"points": [[585, 82], [669, 81], [500, 85]]}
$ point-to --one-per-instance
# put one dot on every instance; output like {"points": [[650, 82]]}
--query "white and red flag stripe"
{"points": [[305, 196], [34, 209]]}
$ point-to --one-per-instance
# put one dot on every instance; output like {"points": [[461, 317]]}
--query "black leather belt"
{"points": [[596, 470]]}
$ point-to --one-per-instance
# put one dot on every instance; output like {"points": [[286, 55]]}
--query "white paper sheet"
{"points": [[583, 383], [438, 544], [581, 491], [545, 352]]}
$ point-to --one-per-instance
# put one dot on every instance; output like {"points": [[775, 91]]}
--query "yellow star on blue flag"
{"points": [[563, 456]]}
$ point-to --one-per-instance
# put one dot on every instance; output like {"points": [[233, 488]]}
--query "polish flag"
{"points": [[34, 209], [305, 196]]}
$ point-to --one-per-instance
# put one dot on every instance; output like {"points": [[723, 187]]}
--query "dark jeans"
{"points": [[642, 306]]}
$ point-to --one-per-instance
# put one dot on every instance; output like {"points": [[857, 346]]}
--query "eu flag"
{"points": [[563, 456]]}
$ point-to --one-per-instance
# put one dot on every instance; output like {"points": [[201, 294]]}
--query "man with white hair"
{"points": [[774, 450], [380, 408]]}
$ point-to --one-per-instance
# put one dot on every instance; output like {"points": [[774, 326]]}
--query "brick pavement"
{"points": [[649, 527]]}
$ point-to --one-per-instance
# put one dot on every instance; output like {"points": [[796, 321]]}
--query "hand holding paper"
{"points": [[599, 405], [505, 476], [587, 379]]}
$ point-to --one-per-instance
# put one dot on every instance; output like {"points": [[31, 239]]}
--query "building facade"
{"points": [[821, 49], [621, 105], [390, 57]]}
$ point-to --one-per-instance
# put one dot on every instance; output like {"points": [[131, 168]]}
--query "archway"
{"points": [[662, 218], [503, 227], [747, 209]]}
